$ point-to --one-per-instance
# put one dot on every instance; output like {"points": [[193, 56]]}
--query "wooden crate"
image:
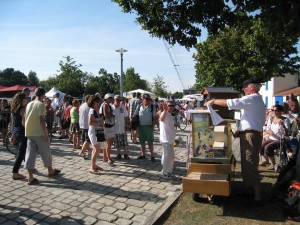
{"points": [[213, 179]]}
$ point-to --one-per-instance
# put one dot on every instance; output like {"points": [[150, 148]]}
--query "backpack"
{"points": [[135, 121], [108, 122], [292, 210]]}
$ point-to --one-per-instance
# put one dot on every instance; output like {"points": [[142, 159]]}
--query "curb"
{"points": [[156, 215]]}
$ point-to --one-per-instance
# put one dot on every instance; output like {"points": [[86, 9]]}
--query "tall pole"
{"points": [[121, 51]]}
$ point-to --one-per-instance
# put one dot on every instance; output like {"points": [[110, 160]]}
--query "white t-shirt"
{"points": [[253, 111], [120, 114], [84, 116], [276, 128], [167, 130]]}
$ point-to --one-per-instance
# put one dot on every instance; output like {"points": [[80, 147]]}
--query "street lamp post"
{"points": [[121, 51]]}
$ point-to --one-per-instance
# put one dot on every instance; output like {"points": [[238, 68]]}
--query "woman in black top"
{"points": [[18, 107]]}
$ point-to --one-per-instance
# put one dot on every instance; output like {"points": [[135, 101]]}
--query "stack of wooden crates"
{"points": [[211, 167]]}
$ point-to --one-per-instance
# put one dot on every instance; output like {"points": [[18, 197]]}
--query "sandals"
{"points": [[33, 182], [97, 168], [264, 163], [272, 167], [141, 157], [55, 172], [19, 177], [96, 172]]}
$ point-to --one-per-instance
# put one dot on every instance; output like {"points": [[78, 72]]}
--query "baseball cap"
{"points": [[251, 81], [117, 97], [108, 96], [146, 96]]}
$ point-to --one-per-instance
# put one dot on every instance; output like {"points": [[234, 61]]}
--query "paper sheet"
{"points": [[215, 117]]}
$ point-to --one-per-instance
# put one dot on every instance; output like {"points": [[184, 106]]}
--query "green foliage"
{"points": [[33, 80], [10, 77], [158, 87], [249, 50], [181, 21], [178, 95], [133, 81], [71, 79]]}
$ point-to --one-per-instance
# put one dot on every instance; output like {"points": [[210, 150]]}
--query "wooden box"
{"points": [[211, 179]]}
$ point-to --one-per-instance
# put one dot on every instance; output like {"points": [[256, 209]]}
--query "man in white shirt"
{"points": [[167, 138], [121, 115], [252, 121], [84, 126]]}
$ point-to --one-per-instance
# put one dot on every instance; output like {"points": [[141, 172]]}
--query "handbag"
{"points": [[135, 122], [109, 122], [100, 136]]}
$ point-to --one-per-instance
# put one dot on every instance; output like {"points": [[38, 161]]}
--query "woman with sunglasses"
{"points": [[277, 127]]}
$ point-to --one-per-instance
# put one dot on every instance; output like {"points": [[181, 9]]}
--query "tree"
{"points": [[32, 78], [178, 95], [181, 21], [70, 79], [10, 77], [158, 87], [249, 50], [133, 81]]}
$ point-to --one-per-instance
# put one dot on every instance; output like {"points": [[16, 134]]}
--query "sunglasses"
{"points": [[118, 100], [274, 110]]}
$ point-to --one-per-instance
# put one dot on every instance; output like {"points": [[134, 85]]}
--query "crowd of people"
{"points": [[93, 124], [96, 123]]}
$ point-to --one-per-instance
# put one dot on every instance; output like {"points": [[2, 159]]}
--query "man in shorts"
{"points": [[84, 126], [121, 115], [148, 118], [38, 140]]}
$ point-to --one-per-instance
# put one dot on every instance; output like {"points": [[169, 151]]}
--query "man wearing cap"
{"points": [[26, 91], [121, 115], [134, 103], [252, 120], [148, 118]]}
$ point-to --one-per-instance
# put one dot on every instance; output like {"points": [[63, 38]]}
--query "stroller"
{"points": [[288, 167], [288, 148]]}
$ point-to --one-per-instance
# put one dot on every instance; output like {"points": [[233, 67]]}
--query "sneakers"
{"points": [[118, 157], [126, 157]]}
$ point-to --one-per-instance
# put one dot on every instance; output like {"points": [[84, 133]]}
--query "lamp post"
{"points": [[121, 51]]}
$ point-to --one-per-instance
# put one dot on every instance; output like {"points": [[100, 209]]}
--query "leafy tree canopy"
{"points": [[133, 81], [158, 86], [70, 79], [10, 77], [32, 78], [249, 50], [181, 20]]}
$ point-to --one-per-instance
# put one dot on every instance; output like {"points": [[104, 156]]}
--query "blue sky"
{"points": [[36, 34]]}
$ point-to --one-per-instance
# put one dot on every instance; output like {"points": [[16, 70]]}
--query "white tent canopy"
{"points": [[53, 91], [142, 92]]}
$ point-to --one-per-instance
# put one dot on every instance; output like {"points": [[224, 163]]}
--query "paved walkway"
{"points": [[130, 193]]}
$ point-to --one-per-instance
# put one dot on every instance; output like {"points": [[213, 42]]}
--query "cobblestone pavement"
{"points": [[133, 192]]}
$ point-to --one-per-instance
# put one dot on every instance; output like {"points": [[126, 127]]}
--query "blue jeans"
{"points": [[22, 142]]}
